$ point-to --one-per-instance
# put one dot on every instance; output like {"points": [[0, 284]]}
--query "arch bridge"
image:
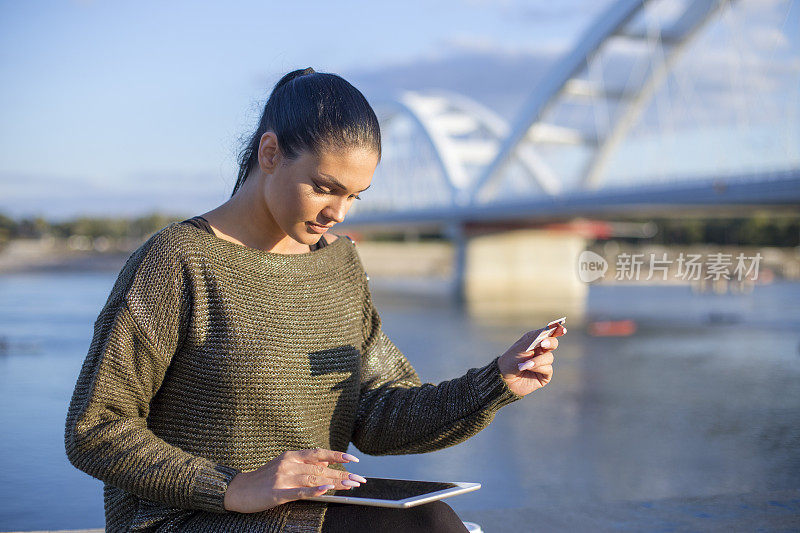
{"points": [[450, 162]]}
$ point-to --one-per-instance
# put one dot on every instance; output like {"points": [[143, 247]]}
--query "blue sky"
{"points": [[109, 97]]}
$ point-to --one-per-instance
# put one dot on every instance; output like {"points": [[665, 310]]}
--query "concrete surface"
{"points": [[777, 511]]}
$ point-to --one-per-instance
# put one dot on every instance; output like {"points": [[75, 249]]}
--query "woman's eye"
{"points": [[325, 191]]}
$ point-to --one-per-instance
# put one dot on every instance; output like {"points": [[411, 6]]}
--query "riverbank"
{"points": [[54, 255], [626, 263]]}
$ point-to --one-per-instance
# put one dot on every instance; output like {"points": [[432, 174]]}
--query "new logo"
{"points": [[591, 266]]}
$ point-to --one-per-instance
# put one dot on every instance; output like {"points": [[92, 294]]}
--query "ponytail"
{"points": [[312, 111]]}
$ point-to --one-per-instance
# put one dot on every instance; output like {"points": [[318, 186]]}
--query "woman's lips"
{"points": [[316, 228]]}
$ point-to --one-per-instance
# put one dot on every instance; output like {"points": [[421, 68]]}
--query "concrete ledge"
{"points": [[762, 511], [64, 531]]}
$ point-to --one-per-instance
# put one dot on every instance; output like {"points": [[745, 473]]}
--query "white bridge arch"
{"points": [[444, 152]]}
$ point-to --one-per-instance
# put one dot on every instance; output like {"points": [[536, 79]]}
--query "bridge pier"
{"points": [[520, 271]]}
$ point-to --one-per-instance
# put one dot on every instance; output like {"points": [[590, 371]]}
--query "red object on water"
{"points": [[612, 328]]}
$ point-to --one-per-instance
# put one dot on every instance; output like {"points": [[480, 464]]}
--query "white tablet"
{"points": [[399, 493]]}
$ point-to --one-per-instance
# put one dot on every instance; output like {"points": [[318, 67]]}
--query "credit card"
{"points": [[549, 329]]}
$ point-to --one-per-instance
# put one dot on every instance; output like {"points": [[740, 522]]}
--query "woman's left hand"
{"points": [[523, 382]]}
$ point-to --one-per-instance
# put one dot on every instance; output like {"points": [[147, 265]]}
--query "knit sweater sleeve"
{"points": [[135, 337], [398, 414]]}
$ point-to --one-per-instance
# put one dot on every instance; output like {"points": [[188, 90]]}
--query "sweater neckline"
{"points": [[319, 257]]}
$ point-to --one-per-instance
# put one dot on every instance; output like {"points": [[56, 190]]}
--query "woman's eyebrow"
{"points": [[339, 184]]}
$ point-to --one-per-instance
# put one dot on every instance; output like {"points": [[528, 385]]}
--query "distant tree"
{"points": [[8, 229], [32, 228], [757, 230], [760, 229], [145, 226]]}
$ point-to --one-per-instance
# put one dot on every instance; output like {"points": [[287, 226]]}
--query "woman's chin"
{"points": [[305, 236]]}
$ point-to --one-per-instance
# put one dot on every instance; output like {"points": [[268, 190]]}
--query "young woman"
{"points": [[239, 352]]}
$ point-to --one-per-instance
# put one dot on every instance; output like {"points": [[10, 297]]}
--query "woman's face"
{"points": [[308, 195]]}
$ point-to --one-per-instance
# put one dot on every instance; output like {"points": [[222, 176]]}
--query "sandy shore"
{"points": [[52, 255], [386, 260], [390, 260]]}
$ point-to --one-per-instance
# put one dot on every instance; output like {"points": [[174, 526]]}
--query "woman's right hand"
{"points": [[293, 475]]}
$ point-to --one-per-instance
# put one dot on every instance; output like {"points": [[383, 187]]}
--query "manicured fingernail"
{"points": [[326, 487], [527, 364], [348, 457], [356, 477], [565, 330], [546, 343], [348, 483]]}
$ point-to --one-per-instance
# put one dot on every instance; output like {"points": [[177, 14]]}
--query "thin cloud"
{"points": [[768, 38], [541, 10], [465, 43]]}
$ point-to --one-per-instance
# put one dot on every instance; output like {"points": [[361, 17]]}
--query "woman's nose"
{"points": [[337, 210]]}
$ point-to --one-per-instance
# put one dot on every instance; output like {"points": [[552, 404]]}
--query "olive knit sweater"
{"points": [[210, 358]]}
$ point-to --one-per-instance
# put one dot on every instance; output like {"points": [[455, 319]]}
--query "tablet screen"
{"points": [[392, 489]]}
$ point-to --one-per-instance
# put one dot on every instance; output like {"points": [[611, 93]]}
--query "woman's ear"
{"points": [[268, 152]]}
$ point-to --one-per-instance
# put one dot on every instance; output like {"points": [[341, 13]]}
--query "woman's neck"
{"points": [[245, 219]]}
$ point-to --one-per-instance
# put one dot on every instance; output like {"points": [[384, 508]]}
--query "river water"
{"points": [[703, 399]]}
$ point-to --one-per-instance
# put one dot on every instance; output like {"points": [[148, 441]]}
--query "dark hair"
{"points": [[312, 111]]}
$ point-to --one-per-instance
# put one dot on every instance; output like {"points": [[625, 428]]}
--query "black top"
{"points": [[202, 223]]}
